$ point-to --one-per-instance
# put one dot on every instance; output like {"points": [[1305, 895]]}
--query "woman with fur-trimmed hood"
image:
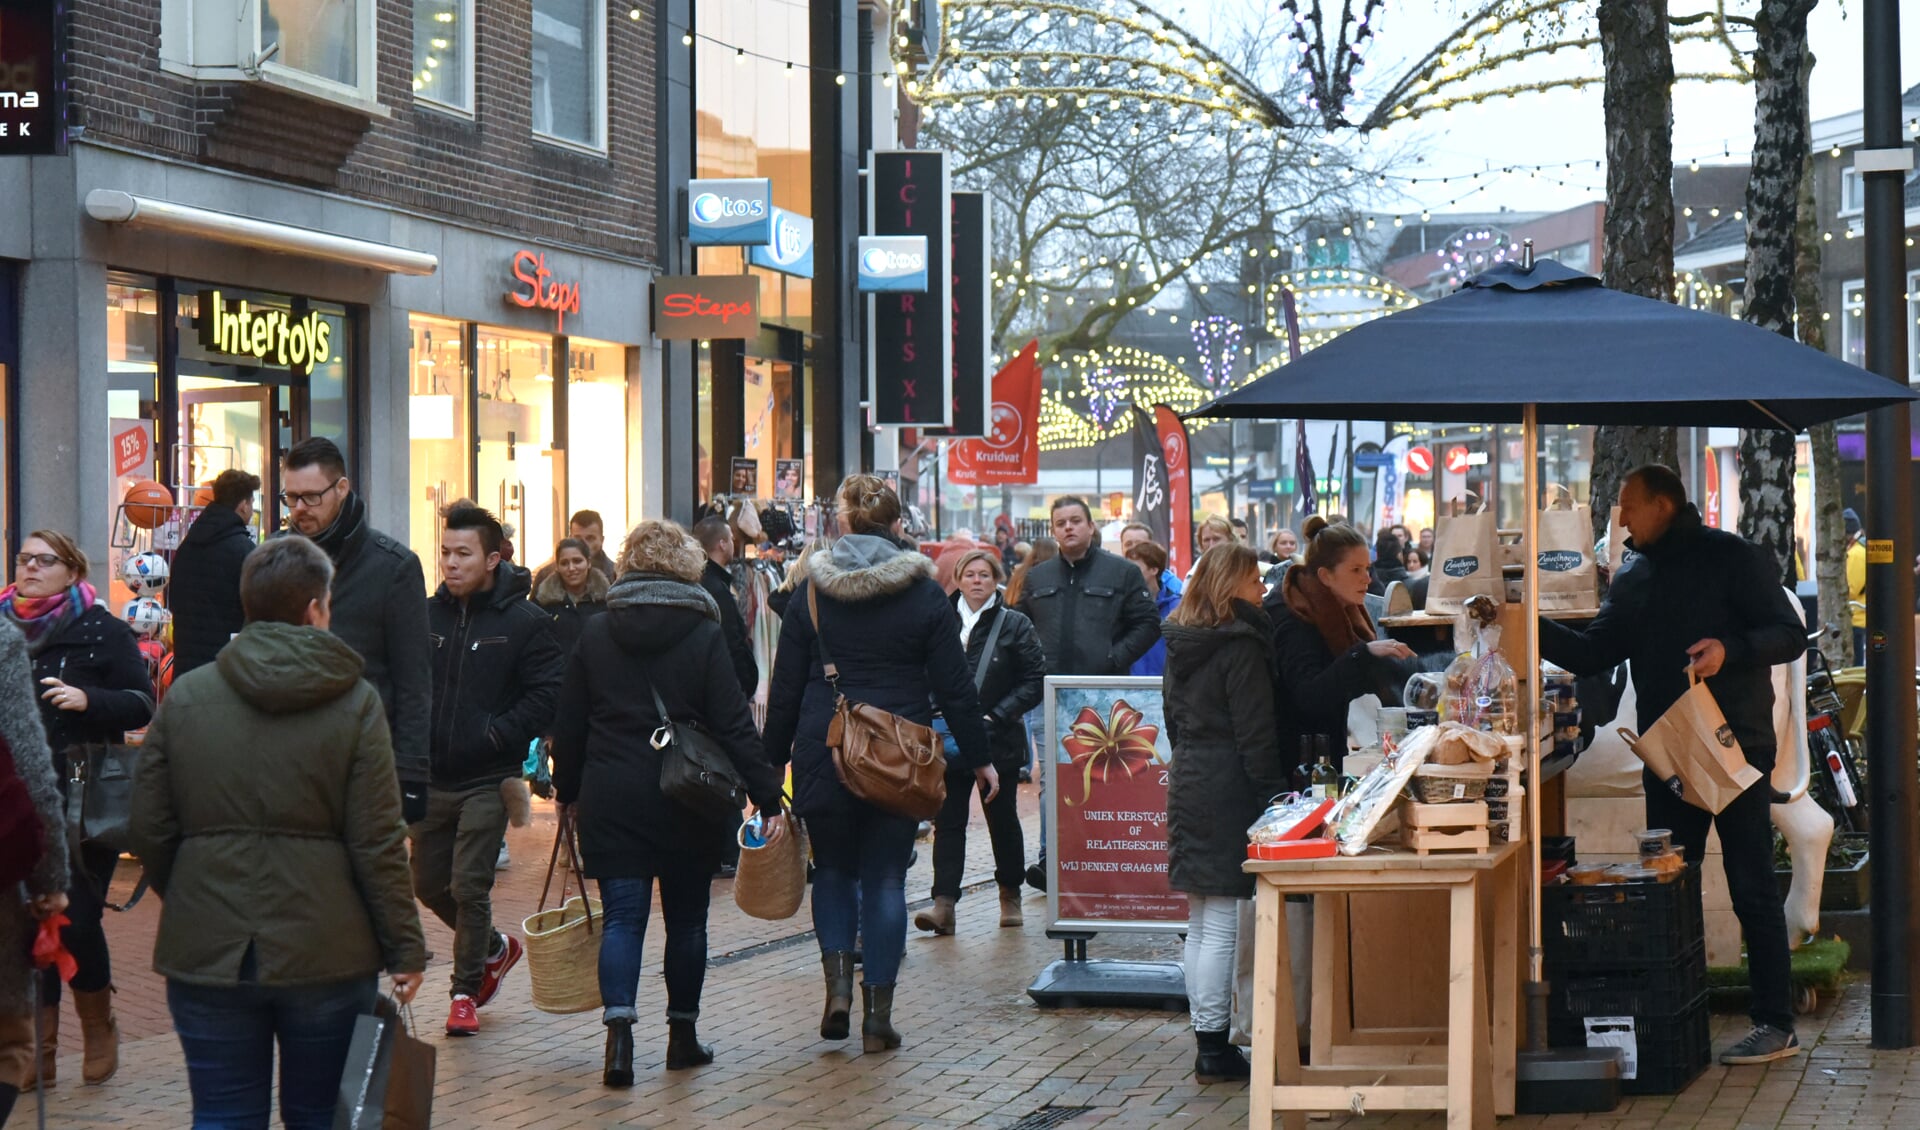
{"points": [[572, 592], [895, 640]]}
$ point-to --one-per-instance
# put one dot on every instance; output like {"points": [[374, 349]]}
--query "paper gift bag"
{"points": [[1693, 750], [1569, 582], [388, 1080], [1466, 561], [1617, 552]]}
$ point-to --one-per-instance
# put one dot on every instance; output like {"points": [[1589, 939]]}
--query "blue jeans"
{"points": [[228, 1036], [684, 893], [860, 886]]}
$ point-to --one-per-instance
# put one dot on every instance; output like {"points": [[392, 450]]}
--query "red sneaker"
{"points": [[462, 1020], [496, 969]]}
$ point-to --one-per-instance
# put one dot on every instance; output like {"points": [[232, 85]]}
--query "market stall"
{"points": [[1534, 344]]}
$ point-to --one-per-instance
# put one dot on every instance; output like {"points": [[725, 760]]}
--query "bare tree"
{"points": [[1638, 55], [1780, 151], [1102, 201]]}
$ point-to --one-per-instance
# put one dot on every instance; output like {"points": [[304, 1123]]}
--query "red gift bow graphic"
{"points": [[1122, 739]]}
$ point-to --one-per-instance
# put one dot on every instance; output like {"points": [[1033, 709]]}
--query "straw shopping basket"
{"points": [[563, 944], [772, 878]]}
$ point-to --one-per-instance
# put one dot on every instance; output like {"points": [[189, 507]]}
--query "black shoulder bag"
{"points": [[695, 773]]}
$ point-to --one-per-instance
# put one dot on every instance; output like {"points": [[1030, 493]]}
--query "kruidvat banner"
{"points": [[731, 212], [1010, 452], [1179, 464], [972, 318], [1107, 782], [910, 338]]}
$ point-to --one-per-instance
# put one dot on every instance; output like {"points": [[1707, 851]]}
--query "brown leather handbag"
{"points": [[888, 761]]}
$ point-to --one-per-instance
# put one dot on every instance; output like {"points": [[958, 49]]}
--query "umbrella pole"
{"points": [[1536, 991]]}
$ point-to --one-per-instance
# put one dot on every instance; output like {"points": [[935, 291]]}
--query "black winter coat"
{"points": [[496, 677], [1220, 723], [1314, 686], [204, 593], [719, 585], [1094, 617], [380, 611], [896, 642], [1015, 682], [570, 616], [1695, 583], [602, 758], [97, 653]]}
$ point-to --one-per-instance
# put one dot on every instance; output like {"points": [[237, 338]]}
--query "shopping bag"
{"points": [[563, 944], [771, 877], [388, 1080], [1569, 581], [1618, 555], [1692, 749], [1466, 560]]}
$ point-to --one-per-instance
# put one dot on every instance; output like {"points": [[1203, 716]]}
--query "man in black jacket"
{"points": [[1091, 610], [1699, 602], [716, 537], [379, 601], [591, 530], [496, 678], [204, 593]]}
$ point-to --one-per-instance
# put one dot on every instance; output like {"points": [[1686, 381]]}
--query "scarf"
{"points": [[40, 618], [352, 517], [968, 617], [659, 590], [1340, 625]]}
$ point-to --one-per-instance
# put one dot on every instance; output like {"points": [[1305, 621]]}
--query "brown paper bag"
{"points": [[1569, 581], [1466, 561], [1694, 751]]}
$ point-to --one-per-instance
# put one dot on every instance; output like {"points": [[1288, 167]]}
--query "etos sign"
{"points": [[704, 307]]}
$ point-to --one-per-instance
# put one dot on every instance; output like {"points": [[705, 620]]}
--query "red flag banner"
{"points": [[1010, 453], [1179, 469]]}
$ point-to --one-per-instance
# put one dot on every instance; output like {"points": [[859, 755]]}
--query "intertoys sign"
{"points": [[264, 335], [538, 290], [704, 307]]}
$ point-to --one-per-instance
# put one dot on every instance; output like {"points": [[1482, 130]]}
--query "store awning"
{"points": [[110, 206]]}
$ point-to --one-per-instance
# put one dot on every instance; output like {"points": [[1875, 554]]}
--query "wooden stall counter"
{"points": [[1465, 1068]]}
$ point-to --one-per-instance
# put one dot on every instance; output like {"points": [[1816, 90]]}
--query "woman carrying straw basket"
{"points": [[661, 633]]}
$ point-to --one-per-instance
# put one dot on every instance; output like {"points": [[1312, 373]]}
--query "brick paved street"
{"points": [[977, 1052]]}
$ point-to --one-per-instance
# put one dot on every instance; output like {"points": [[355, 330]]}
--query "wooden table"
{"points": [[1466, 1069]]}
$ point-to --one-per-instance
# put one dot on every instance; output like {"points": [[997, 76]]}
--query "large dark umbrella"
{"points": [[1540, 343], [1583, 354]]}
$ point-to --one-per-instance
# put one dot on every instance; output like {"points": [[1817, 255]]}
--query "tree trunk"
{"points": [[1638, 255], [1823, 445], [1780, 150]]}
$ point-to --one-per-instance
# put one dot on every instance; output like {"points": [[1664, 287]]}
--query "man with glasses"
{"points": [[379, 601]]}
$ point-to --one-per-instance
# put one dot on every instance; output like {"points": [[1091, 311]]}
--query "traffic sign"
{"points": [[1419, 461], [1457, 459], [1373, 459]]}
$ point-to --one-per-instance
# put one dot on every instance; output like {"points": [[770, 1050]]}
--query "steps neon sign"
{"points": [[562, 298], [268, 335]]}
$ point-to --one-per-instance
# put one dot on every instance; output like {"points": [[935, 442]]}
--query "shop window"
{"points": [[598, 435], [517, 478], [443, 53], [569, 71], [133, 384], [1853, 322], [437, 431], [1913, 327]]}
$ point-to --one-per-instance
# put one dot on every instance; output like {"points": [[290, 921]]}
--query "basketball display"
{"points": [[203, 495], [147, 503], [168, 535], [144, 573], [146, 616]]}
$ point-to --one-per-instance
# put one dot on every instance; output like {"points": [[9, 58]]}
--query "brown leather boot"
{"points": [[1010, 907], [49, 1045], [937, 918], [100, 1035]]}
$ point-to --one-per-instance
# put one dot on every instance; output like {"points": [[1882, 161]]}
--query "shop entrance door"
{"points": [[231, 425]]}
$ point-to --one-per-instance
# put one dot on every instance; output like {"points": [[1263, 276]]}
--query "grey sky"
{"points": [[1566, 125]]}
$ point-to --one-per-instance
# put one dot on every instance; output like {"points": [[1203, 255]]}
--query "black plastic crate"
{"points": [[1654, 990], [1622, 925], [1671, 1049]]}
